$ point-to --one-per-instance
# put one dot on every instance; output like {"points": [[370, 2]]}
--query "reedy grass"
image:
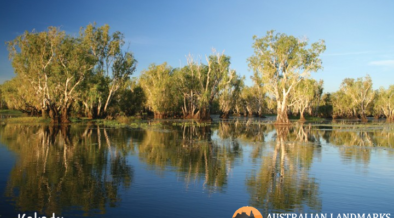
{"points": [[27, 120], [10, 112]]}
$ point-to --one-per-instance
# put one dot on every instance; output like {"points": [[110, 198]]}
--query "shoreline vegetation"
{"points": [[60, 78], [17, 117]]}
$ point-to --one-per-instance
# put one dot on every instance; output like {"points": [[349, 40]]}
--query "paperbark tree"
{"points": [[75, 61], [32, 54], [186, 89], [304, 94], [124, 65], [262, 99], [250, 98], [112, 69], [20, 98], [210, 81], [318, 87], [361, 92], [53, 65], [385, 102], [342, 105], [282, 61], [231, 90], [156, 83]]}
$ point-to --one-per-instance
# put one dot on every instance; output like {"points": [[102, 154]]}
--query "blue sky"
{"points": [[359, 34]]}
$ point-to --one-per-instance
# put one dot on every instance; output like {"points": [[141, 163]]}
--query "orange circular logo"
{"points": [[247, 212]]}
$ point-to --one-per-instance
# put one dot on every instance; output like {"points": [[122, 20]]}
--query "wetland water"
{"points": [[179, 169]]}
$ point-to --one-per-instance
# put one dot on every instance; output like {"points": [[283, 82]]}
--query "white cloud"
{"points": [[383, 63]]}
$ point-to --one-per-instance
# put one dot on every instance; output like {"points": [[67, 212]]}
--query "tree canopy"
{"points": [[62, 70], [59, 75], [281, 62]]}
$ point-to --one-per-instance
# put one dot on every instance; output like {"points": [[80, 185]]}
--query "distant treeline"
{"points": [[59, 75]]}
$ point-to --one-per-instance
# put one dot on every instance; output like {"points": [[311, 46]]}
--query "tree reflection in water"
{"points": [[61, 167], [84, 167], [283, 182], [191, 153], [355, 142], [245, 131]]}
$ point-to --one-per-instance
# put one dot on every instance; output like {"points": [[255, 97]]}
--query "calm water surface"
{"points": [[180, 169]]}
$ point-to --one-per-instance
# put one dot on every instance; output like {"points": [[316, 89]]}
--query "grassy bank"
{"points": [[27, 120], [18, 117], [120, 121], [10, 112], [308, 118]]}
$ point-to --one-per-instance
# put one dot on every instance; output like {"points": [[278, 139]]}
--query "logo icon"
{"points": [[247, 212]]}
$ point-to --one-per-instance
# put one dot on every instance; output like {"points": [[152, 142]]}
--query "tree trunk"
{"points": [[238, 110], [108, 101], [159, 115], [354, 113], [310, 111], [302, 118], [99, 112], [184, 113], [317, 108], [260, 112], [225, 115], [44, 113], [282, 117], [205, 114], [363, 116], [54, 114], [91, 113], [65, 114], [184, 108]]}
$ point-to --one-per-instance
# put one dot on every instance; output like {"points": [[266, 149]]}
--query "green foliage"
{"points": [[281, 62], [194, 89], [325, 106], [64, 72], [250, 99], [157, 82], [89, 76], [17, 98], [384, 104], [110, 77], [230, 92], [209, 82], [354, 97], [305, 93], [51, 65], [186, 87]]}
